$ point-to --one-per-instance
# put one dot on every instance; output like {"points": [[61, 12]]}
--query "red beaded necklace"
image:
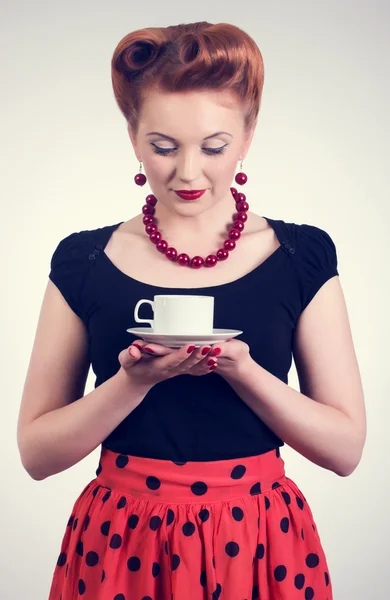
{"points": [[237, 226]]}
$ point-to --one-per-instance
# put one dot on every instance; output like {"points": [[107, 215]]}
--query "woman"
{"points": [[191, 500]]}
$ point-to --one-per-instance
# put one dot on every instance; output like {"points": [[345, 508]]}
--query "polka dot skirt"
{"points": [[150, 529]]}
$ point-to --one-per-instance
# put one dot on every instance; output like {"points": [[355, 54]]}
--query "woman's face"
{"points": [[194, 158]]}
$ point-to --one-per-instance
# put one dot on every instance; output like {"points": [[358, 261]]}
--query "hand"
{"points": [[233, 356], [146, 370]]}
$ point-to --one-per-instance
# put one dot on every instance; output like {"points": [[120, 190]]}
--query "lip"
{"points": [[189, 195]]}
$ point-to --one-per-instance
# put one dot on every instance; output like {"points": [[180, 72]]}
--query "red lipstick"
{"points": [[189, 194]]}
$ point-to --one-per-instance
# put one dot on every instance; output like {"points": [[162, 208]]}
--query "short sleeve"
{"points": [[69, 269], [317, 260]]}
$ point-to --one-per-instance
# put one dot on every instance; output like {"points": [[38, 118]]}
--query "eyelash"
{"points": [[167, 151]]}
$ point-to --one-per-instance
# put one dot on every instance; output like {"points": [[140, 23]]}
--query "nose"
{"points": [[188, 167]]}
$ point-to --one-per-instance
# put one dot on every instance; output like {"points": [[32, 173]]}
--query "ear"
{"points": [[133, 140], [248, 140]]}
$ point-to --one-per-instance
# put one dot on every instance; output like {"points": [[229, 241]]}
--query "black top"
{"points": [[186, 417]]}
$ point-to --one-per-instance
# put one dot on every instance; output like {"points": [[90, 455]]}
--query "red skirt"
{"points": [[150, 529]]}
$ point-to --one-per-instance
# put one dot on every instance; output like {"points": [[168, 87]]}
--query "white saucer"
{"points": [[177, 341]]}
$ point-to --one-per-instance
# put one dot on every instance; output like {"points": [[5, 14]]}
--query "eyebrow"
{"points": [[173, 139]]}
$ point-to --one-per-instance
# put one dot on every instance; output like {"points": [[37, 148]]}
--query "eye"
{"points": [[167, 151]]}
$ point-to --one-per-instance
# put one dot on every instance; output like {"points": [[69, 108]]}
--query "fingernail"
{"points": [[149, 350], [131, 353], [213, 367], [206, 350], [212, 361], [137, 346], [190, 349], [215, 352]]}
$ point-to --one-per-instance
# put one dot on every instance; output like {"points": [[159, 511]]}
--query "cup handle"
{"points": [[136, 317]]}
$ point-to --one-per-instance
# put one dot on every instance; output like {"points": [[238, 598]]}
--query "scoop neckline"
{"points": [[261, 269]]}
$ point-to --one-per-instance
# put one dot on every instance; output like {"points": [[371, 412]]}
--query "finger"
{"points": [[129, 356], [188, 355]]}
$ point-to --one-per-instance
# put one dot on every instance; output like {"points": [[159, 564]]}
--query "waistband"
{"points": [[192, 481]]}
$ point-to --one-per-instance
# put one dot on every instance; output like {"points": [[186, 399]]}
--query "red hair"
{"points": [[187, 57]]}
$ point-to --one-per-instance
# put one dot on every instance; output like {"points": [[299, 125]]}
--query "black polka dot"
{"points": [[103, 576], [105, 527], [267, 503], [170, 516], [61, 559], [70, 522], [92, 559], [313, 527], [312, 560], [280, 573], [260, 551], [232, 549], [238, 472], [99, 469], [132, 521], [286, 497], [81, 586], [134, 563], [175, 561], [277, 452], [309, 593], [299, 581], [203, 579], [166, 547], [121, 461], [80, 548], [179, 463], [255, 489], [284, 524], [238, 513], [87, 521], [299, 502], [75, 524], [258, 522], [106, 496], [213, 561], [199, 488], [95, 491], [188, 528], [275, 485], [217, 592], [119, 597], [255, 592], [204, 514], [302, 534], [116, 541], [154, 523], [148, 598], [326, 578], [153, 483], [121, 503], [155, 569]]}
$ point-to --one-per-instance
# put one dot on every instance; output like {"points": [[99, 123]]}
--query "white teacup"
{"points": [[180, 314]]}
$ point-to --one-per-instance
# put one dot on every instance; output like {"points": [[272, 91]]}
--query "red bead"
{"points": [[240, 197], [140, 179], [183, 259], [222, 254], [197, 262], [242, 206], [240, 216], [233, 191], [241, 178], [211, 260], [148, 210], [234, 234], [148, 219], [162, 246], [150, 199], [150, 227], [238, 225], [171, 253], [229, 244], [155, 237]]}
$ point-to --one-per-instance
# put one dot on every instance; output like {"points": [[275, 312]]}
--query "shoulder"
{"points": [[79, 247]]}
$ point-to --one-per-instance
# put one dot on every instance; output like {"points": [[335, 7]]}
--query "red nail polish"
{"points": [[206, 350], [190, 349], [212, 361], [149, 350], [213, 367], [137, 346], [215, 352]]}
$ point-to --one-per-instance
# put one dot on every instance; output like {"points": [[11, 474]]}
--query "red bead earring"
{"points": [[140, 178]]}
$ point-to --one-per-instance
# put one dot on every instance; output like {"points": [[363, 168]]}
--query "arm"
{"points": [[57, 425], [325, 422]]}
